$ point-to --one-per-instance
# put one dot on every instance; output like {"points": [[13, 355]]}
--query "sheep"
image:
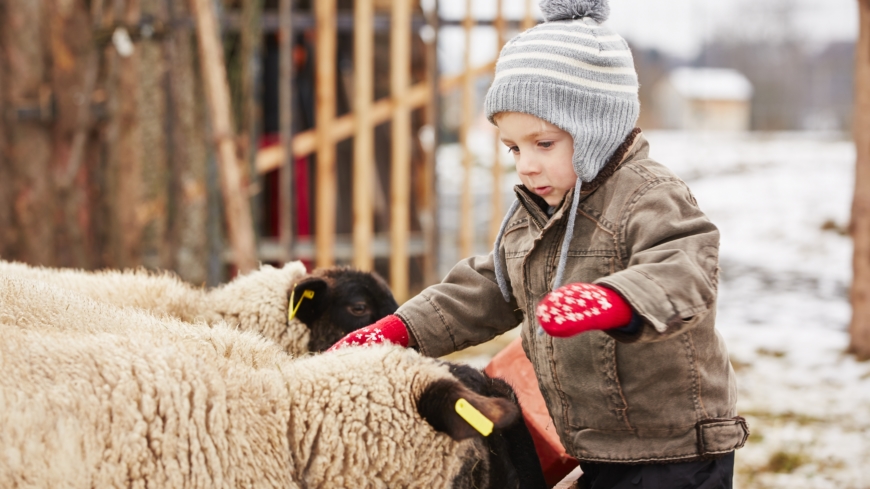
{"points": [[94, 395], [343, 299]]}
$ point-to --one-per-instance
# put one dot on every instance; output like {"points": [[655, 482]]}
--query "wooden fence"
{"points": [[359, 124]]}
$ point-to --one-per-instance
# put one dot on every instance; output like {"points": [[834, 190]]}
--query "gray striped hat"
{"points": [[577, 74]]}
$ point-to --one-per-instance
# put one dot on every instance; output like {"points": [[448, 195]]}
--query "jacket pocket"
{"points": [[585, 376], [660, 382]]}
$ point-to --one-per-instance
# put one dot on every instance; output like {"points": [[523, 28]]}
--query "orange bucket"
{"points": [[512, 365]]}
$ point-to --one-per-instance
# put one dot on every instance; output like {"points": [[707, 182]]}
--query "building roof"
{"points": [[711, 84]]}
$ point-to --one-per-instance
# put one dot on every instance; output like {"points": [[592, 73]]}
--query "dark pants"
{"points": [[706, 474]]}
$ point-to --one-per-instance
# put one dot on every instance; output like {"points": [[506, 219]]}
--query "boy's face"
{"points": [[543, 154]]}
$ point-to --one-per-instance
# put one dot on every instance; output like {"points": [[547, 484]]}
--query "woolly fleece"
{"points": [[97, 396], [253, 302]]}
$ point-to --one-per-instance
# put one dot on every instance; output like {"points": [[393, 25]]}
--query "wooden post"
{"points": [[363, 143], [400, 184], [497, 207], [324, 239], [859, 328], [285, 103], [529, 18], [466, 216], [429, 199], [240, 229], [248, 124]]}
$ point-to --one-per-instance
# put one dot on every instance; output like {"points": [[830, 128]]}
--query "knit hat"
{"points": [[578, 75]]}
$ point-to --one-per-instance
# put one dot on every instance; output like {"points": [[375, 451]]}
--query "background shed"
{"points": [[706, 99]]}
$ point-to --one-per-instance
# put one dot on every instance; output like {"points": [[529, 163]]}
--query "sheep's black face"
{"points": [[345, 300], [512, 461]]}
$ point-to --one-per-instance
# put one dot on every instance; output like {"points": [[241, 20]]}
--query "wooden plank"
{"points": [[859, 327], [240, 229], [325, 176], [304, 248], [429, 199], [497, 204], [305, 143], [400, 182], [466, 206], [364, 136], [450, 82], [285, 111]]}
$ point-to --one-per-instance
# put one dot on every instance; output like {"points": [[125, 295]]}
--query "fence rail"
{"points": [[359, 124]]}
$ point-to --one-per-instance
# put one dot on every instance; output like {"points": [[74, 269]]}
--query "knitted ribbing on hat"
{"points": [[577, 74]]}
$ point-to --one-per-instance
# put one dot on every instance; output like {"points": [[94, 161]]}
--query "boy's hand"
{"points": [[575, 308], [390, 329]]}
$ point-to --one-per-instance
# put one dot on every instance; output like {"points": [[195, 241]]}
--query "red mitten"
{"points": [[390, 329], [575, 308]]}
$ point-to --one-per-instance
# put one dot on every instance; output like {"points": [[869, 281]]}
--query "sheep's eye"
{"points": [[358, 309]]}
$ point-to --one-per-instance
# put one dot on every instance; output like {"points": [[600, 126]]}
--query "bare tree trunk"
{"points": [[73, 76], [7, 230], [125, 156], [240, 229], [860, 228], [188, 156], [152, 118], [27, 101]]}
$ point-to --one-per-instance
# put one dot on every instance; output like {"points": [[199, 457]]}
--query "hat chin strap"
{"points": [[563, 254], [569, 233]]}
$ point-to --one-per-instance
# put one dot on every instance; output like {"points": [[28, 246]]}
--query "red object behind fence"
{"points": [[512, 365]]}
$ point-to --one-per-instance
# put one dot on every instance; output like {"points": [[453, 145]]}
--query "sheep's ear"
{"points": [[309, 308], [437, 406]]}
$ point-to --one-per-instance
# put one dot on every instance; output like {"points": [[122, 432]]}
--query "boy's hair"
{"points": [[578, 75]]}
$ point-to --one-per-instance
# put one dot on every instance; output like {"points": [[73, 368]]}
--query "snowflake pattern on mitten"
{"points": [[578, 307], [390, 329]]}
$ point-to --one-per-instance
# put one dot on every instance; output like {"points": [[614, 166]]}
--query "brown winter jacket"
{"points": [[664, 394]]}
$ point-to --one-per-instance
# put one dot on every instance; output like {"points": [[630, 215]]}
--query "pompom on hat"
{"points": [[577, 74], [553, 10]]}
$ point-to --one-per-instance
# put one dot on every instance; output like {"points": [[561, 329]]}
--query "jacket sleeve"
{"points": [[465, 309], [671, 255]]}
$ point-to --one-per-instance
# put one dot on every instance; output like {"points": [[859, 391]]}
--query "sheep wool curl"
{"points": [[94, 395], [254, 302], [556, 10]]}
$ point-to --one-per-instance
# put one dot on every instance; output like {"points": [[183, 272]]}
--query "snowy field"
{"points": [[782, 203]]}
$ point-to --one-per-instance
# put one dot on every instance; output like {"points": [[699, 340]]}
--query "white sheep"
{"points": [[343, 299], [93, 395]]}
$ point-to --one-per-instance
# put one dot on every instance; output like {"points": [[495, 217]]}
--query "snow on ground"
{"points": [[782, 203]]}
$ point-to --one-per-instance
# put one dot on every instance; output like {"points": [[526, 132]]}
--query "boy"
{"points": [[632, 370]]}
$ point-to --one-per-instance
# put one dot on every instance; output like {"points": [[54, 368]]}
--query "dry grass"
{"points": [[783, 462]]}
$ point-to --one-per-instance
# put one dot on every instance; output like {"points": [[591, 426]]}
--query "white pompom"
{"points": [[554, 10]]}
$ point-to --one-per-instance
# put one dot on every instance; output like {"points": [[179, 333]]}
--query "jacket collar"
{"points": [[635, 144]]}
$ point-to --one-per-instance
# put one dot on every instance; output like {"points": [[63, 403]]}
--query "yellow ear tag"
{"points": [[291, 311], [474, 417]]}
